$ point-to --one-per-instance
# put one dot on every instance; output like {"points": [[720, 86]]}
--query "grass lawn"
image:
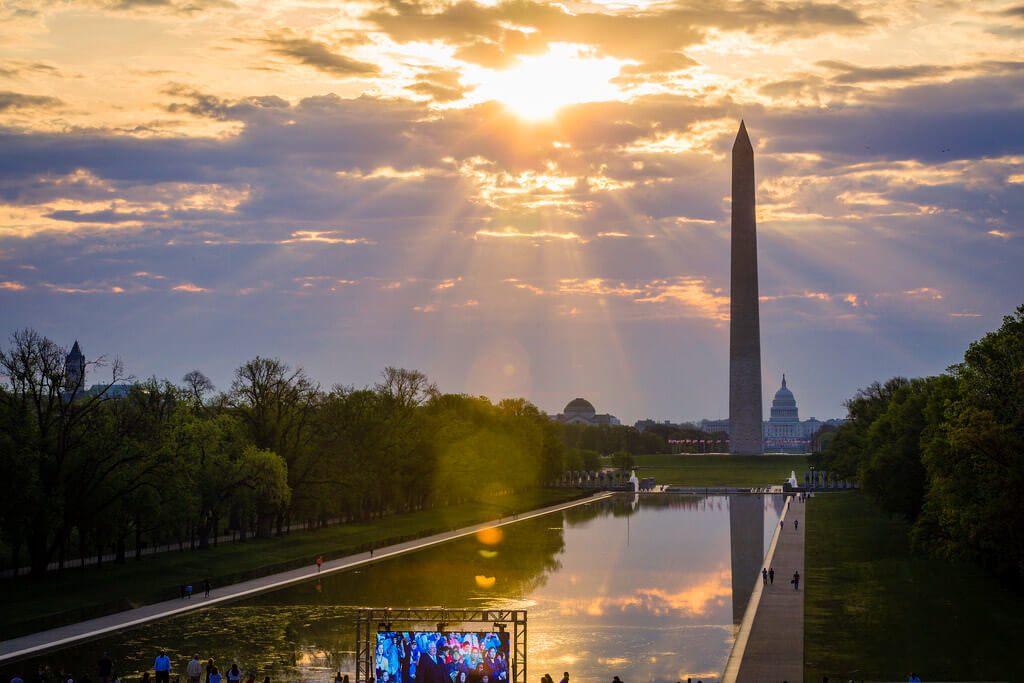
{"points": [[874, 611], [719, 470], [29, 605]]}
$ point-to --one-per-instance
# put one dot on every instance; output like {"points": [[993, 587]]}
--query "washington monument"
{"points": [[744, 319]]}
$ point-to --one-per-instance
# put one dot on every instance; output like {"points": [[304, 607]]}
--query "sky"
{"points": [[517, 198]]}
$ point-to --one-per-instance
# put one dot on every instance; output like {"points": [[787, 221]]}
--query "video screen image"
{"points": [[432, 657]]}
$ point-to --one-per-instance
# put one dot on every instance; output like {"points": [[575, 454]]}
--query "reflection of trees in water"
{"points": [[307, 631]]}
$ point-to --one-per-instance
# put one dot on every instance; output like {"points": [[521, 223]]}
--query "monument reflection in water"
{"points": [[650, 588]]}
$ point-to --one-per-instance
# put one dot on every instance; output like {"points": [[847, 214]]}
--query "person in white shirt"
{"points": [[194, 669]]}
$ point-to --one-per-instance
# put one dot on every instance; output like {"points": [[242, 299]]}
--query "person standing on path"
{"points": [[782, 524], [188, 591], [162, 668], [371, 550], [796, 524], [771, 575], [319, 561], [764, 576], [796, 581], [105, 668], [206, 588], [194, 669]]}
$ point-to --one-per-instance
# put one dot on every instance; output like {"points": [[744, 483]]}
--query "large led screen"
{"points": [[431, 657]]}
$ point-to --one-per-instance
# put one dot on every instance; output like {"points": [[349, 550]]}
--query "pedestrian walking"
{"points": [[764, 576], [188, 591], [319, 561], [796, 524], [162, 668], [105, 668], [771, 575], [194, 669], [182, 590], [796, 581], [371, 550], [782, 524], [206, 588]]}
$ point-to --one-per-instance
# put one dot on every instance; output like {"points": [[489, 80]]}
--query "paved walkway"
{"points": [[17, 648], [770, 645]]}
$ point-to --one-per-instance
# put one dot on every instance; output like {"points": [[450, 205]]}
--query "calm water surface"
{"points": [[639, 587]]}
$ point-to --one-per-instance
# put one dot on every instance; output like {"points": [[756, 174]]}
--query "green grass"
{"points": [[28, 605], [719, 470], [875, 611]]}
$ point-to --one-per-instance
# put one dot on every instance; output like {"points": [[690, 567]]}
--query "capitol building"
{"points": [[783, 427]]}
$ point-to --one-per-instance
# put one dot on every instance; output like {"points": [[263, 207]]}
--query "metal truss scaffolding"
{"points": [[371, 619]]}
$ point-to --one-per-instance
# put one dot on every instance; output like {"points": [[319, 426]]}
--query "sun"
{"points": [[537, 87]]}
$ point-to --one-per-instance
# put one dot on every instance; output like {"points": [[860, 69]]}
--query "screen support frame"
{"points": [[368, 619]]}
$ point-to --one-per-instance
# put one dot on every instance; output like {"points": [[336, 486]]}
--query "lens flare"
{"points": [[490, 536]]}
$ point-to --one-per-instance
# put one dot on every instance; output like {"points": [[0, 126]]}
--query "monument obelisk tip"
{"points": [[742, 139]]}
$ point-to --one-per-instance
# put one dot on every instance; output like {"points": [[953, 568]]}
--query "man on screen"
{"points": [[429, 669]]}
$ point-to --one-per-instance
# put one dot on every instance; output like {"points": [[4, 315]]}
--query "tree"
{"points": [[198, 385], [49, 429], [277, 405]]}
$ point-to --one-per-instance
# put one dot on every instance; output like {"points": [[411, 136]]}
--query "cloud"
{"points": [[318, 55], [326, 237], [18, 68], [15, 100], [189, 287], [178, 7], [494, 36], [441, 85]]}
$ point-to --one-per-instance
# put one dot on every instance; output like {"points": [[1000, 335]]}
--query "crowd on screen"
{"points": [[460, 657]]}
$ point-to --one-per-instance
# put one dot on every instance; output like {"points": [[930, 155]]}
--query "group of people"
{"points": [[105, 673], [185, 590], [768, 577], [195, 670], [409, 657]]}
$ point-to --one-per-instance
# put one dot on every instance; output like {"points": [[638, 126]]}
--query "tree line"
{"points": [[89, 471], [947, 452]]}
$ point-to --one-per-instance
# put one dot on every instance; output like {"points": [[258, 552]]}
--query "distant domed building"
{"points": [[785, 419], [581, 411], [783, 430]]}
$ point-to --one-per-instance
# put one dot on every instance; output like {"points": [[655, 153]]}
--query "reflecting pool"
{"points": [[649, 588]]}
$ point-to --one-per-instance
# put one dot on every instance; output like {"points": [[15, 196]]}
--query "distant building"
{"points": [[74, 379], [712, 426], [648, 423], [784, 422], [74, 368], [581, 411], [784, 429]]}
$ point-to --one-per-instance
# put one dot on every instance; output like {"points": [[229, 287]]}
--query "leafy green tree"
{"points": [[51, 441], [277, 405]]}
